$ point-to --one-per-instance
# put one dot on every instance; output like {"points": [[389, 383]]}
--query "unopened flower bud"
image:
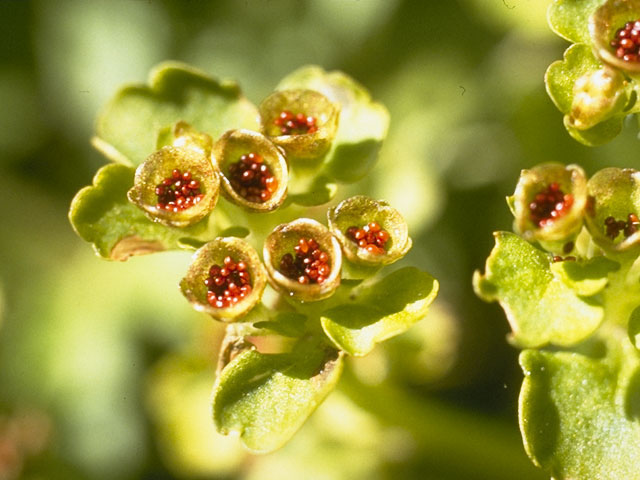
{"points": [[597, 96]]}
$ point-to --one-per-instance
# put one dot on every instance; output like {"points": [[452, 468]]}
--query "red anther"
{"points": [[227, 285], [371, 237], [310, 264], [175, 194], [252, 179], [549, 205], [298, 124], [626, 42]]}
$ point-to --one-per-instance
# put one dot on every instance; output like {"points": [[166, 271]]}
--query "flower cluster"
{"points": [[553, 202], [197, 166]]}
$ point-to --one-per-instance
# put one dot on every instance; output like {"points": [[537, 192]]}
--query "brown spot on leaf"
{"points": [[134, 245]]}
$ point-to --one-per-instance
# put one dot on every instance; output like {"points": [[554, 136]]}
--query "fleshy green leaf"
{"points": [[580, 415], [570, 18], [540, 307], [380, 311], [560, 79], [600, 134], [588, 278], [363, 123], [562, 75], [128, 128], [102, 214], [267, 397]]}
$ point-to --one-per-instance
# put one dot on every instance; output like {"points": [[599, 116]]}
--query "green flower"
{"points": [[176, 186], [225, 279], [254, 171], [549, 203], [303, 260], [303, 122], [369, 231]]}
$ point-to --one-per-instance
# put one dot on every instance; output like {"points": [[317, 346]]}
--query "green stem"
{"points": [[467, 445]]}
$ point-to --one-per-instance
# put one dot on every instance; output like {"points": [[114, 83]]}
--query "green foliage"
{"points": [[550, 311], [579, 412], [128, 128], [570, 18], [267, 397], [380, 311]]}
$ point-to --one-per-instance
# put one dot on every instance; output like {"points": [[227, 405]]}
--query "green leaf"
{"points": [[580, 415], [570, 18], [585, 278], [102, 215], [380, 311], [540, 307], [363, 123], [560, 80], [129, 127], [600, 134], [267, 397], [562, 75]]}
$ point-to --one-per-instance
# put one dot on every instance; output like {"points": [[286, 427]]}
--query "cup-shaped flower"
{"points": [[549, 203], [370, 231], [597, 96], [614, 208], [303, 260], [225, 279], [176, 186], [254, 171], [303, 122], [614, 28]]}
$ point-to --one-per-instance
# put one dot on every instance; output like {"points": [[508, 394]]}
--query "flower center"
{"points": [[626, 42], [252, 179], [227, 284], [178, 192], [628, 228], [297, 124], [549, 205], [370, 237], [310, 264]]}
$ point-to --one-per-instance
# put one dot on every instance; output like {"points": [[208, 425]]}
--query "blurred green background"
{"points": [[105, 371]]}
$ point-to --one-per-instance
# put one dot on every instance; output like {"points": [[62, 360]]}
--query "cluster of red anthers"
{"points": [[291, 124], [626, 42], [628, 228], [310, 265], [371, 237], [178, 192], [252, 179], [549, 205], [227, 284]]}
